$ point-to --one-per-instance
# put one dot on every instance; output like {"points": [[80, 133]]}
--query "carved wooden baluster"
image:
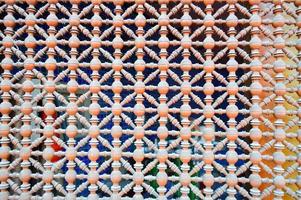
{"points": [[49, 107], [208, 111], [139, 109], [279, 109], [72, 107], [185, 109], [27, 107], [117, 65], [256, 90], [231, 109], [94, 108], [163, 65], [9, 22]]}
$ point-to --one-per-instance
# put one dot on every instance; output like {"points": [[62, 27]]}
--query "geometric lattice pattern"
{"points": [[150, 99]]}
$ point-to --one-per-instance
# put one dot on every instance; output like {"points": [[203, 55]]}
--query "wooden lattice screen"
{"points": [[150, 99]]}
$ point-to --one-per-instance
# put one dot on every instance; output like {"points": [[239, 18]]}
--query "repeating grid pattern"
{"points": [[150, 99]]}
